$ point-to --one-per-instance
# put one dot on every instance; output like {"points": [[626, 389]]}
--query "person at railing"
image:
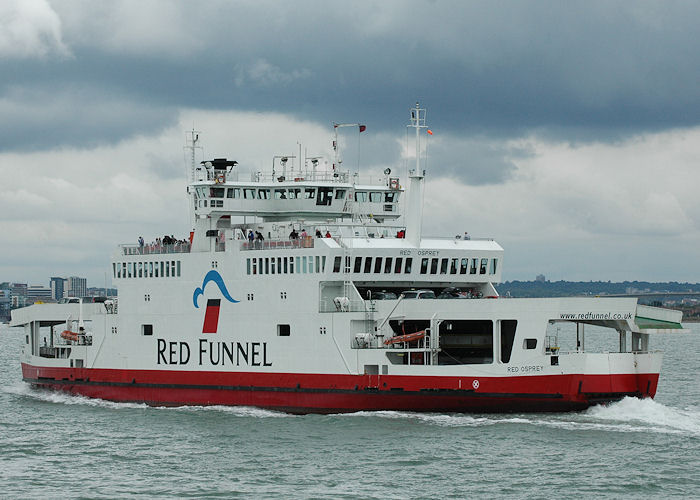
{"points": [[318, 233], [259, 239], [328, 234], [251, 236], [303, 234], [294, 235], [141, 243]]}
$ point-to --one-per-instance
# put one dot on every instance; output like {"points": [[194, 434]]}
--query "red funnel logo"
{"points": [[211, 317]]}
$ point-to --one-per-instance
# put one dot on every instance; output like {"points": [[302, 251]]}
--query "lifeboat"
{"points": [[68, 335], [409, 337]]}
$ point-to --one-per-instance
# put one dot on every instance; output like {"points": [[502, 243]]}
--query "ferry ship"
{"points": [[305, 290]]}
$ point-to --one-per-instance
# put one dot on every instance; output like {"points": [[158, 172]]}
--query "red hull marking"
{"points": [[332, 392], [211, 317]]}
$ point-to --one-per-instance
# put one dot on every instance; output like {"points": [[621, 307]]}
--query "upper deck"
{"points": [[218, 192]]}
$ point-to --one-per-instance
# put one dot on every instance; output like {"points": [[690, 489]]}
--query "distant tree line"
{"points": [[569, 288]]}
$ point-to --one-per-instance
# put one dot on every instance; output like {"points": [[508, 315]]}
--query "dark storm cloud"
{"points": [[476, 160], [42, 119], [595, 70]]}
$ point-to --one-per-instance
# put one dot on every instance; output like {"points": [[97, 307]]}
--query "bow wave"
{"points": [[216, 278]]}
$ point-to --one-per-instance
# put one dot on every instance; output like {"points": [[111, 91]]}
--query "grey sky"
{"points": [[597, 70], [506, 84]]}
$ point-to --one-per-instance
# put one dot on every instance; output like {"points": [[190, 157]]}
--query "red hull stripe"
{"points": [[325, 393]]}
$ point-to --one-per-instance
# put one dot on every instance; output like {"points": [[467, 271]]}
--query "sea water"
{"points": [[59, 446]]}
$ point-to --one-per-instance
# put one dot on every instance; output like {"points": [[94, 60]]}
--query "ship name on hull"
{"points": [[208, 353]]}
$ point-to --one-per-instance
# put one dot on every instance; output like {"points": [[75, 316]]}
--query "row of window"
{"points": [[277, 194], [286, 265], [458, 266], [400, 265], [308, 193], [159, 269]]}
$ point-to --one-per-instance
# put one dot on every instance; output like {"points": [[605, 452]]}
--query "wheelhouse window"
{"points": [[280, 194], [309, 193], [361, 196], [263, 194], [325, 196], [249, 194], [375, 197], [216, 192], [340, 194]]}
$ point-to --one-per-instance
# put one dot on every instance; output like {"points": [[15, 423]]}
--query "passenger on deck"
{"points": [[251, 236], [303, 233], [293, 235], [141, 243], [328, 234], [318, 233]]}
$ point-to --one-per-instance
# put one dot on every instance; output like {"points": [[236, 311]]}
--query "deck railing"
{"points": [[307, 242], [156, 249]]}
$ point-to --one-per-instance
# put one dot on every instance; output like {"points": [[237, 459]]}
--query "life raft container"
{"points": [[409, 337]]}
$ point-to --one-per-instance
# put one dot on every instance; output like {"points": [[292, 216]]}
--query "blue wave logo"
{"points": [[216, 278]]}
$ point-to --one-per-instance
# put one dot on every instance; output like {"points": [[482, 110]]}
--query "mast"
{"points": [[192, 143], [414, 206]]}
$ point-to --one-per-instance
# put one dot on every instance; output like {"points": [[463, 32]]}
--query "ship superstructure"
{"points": [[306, 290]]}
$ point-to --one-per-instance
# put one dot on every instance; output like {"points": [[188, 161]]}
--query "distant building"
{"points": [[4, 305], [18, 295], [37, 292], [77, 287], [17, 301], [18, 289], [58, 286], [540, 278]]}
